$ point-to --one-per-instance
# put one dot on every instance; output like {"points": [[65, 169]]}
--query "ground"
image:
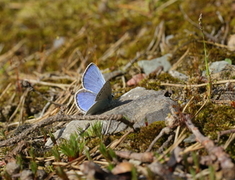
{"points": [[46, 45]]}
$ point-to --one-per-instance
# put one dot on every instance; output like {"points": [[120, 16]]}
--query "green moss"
{"points": [[140, 141], [214, 118]]}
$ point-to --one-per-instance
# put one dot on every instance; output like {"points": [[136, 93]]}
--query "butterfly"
{"points": [[96, 93]]}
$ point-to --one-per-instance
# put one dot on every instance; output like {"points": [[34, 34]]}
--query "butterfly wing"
{"points": [[103, 99], [105, 92], [99, 106], [96, 94], [92, 79], [84, 99]]}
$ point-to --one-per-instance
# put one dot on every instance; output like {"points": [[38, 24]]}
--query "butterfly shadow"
{"points": [[117, 103]]}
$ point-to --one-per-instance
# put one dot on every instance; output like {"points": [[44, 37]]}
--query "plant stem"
{"points": [[209, 85]]}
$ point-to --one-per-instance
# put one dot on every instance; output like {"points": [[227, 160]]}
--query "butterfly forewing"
{"points": [[93, 79], [96, 93], [84, 99]]}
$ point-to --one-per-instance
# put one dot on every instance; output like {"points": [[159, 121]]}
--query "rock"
{"points": [[26, 175], [221, 70], [178, 75], [141, 106], [217, 66], [228, 72], [138, 105], [41, 174], [12, 168], [149, 66]]}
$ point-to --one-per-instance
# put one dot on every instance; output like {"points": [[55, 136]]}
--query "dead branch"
{"points": [[61, 117], [165, 130], [143, 157], [227, 166]]}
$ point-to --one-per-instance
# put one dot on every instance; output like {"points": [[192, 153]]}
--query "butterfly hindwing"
{"points": [[99, 106], [84, 99]]}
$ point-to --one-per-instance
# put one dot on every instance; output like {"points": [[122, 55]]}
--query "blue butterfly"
{"points": [[96, 93]]}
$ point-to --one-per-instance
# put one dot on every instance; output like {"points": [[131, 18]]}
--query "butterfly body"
{"points": [[96, 93]]}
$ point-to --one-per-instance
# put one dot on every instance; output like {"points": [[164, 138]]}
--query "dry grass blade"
{"points": [[114, 47], [180, 61], [62, 86], [230, 139], [193, 147], [181, 137], [5, 90], [7, 55], [198, 85]]}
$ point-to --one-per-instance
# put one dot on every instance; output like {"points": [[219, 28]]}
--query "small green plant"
{"points": [[209, 85], [77, 142], [56, 153], [19, 160], [96, 130], [108, 153], [60, 172], [212, 173], [3, 133], [52, 138], [134, 174], [228, 61], [192, 172], [196, 161], [33, 164], [73, 147]]}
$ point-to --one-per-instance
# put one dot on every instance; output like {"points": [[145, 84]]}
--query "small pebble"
{"points": [[12, 168], [26, 175]]}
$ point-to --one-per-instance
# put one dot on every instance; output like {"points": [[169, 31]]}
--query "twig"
{"points": [[128, 65], [221, 133], [227, 166], [165, 130], [230, 139], [20, 104], [154, 44], [8, 54], [62, 86], [196, 85], [166, 4], [58, 118], [5, 90], [114, 47], [165, 144], [124, 70], [143, 157], [174, 66]]}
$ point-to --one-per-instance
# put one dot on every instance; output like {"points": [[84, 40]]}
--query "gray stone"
{"points": [[221, 70], [216, 67], [138, 105], [12, 168], [149, 66], [26, 175], [178, 75], [41, 174]]}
